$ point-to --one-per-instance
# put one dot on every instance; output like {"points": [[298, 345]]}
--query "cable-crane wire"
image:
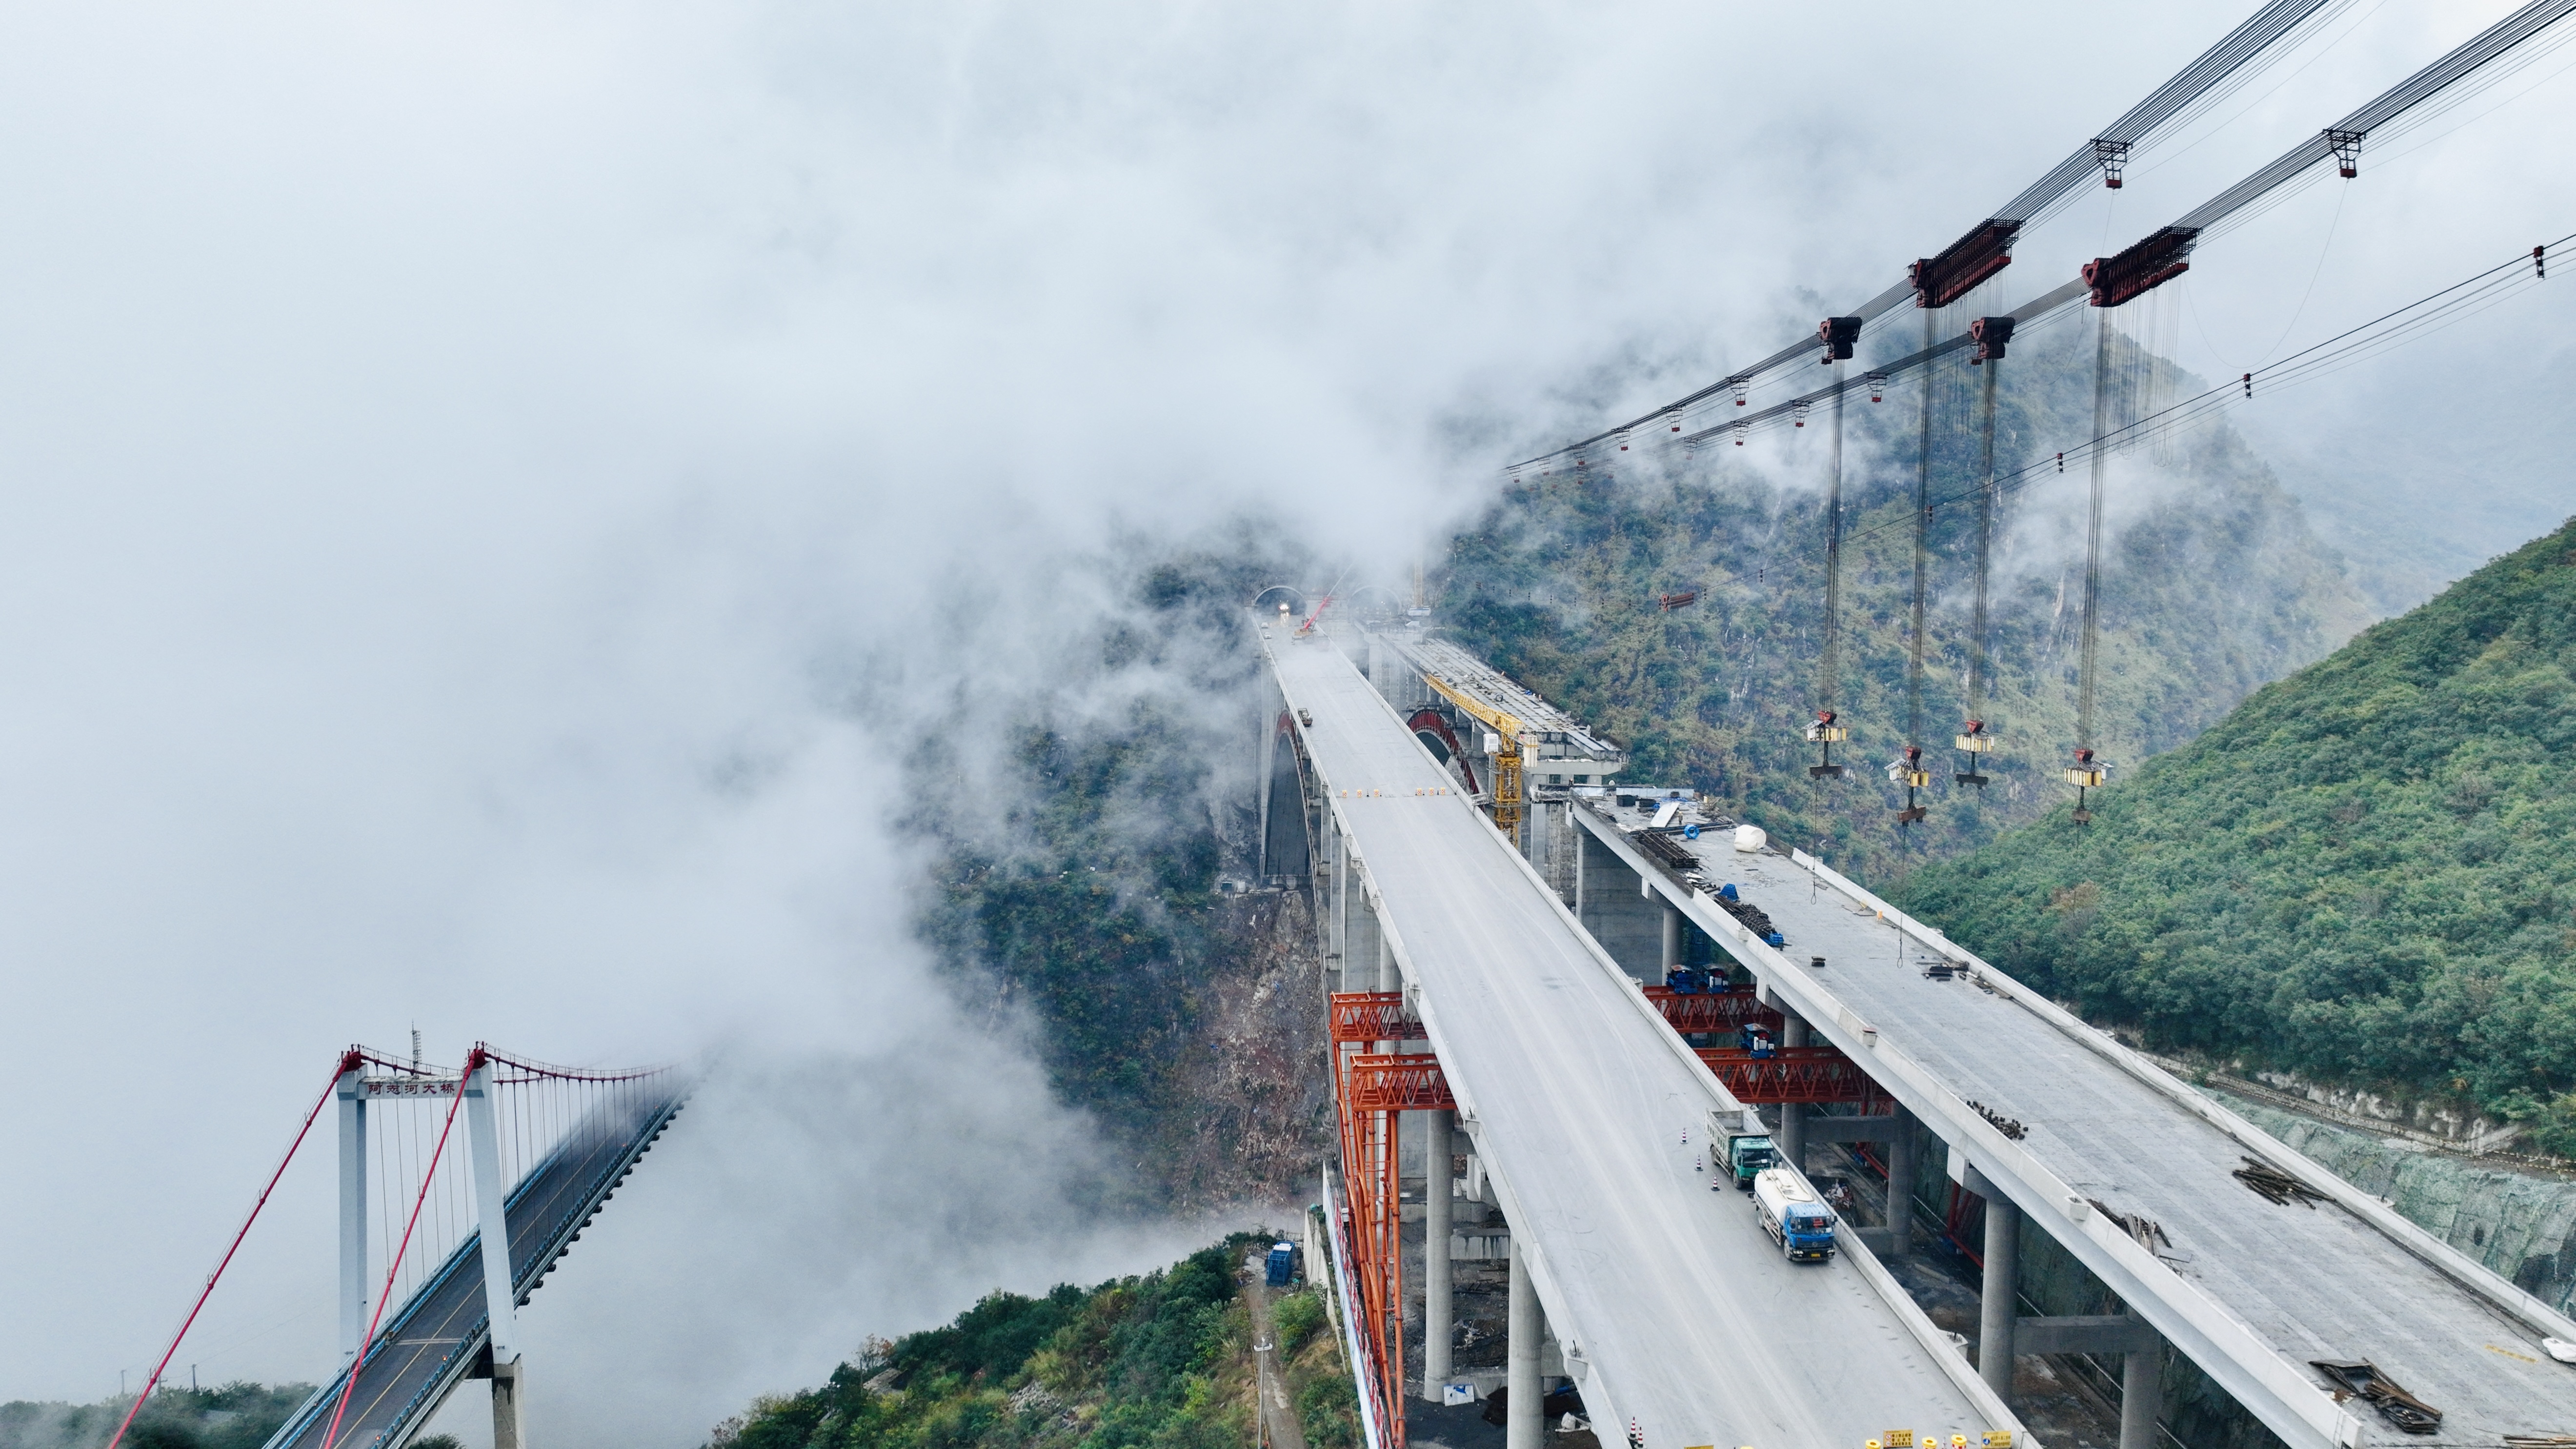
{"points": [[1839, 335], [2216, 73]]}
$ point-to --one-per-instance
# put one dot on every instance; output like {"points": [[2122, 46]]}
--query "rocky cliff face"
{"points": [[2521, 1224]]}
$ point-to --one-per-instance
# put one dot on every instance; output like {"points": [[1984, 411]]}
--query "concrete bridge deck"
{"points": [[2250, 1290], [1672, 1307]]}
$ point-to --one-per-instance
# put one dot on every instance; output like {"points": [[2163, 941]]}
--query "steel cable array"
{"points": [[2243, 54], [2455, 303]]}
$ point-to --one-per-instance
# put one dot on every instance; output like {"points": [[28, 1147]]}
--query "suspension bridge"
{"points": [[538, 1152]]}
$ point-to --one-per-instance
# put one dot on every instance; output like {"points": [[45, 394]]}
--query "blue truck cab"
{"points": [[1790, 1213], [1281, 1265]]}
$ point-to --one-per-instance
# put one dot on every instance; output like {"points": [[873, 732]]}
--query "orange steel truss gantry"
{"points": [[1372, 1082], [1369, 1089]]}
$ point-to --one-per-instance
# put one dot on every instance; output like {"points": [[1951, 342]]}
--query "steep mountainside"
{"points": [[1078, 896], [1160, 1361], [2361, 875], [2213, 585]]}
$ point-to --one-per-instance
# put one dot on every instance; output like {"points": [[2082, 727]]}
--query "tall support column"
{"points": [[1338, 924], [1900, 1188], [508, 1379], [1523, 1424], [1672, 937], [1793, 1115], [353, 1212], [2003, 1269], [500, 1295], [2142, 1391], [1437, 1302]]}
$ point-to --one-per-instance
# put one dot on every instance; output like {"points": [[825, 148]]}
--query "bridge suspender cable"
{"points": [[1986, 249], [428, 1174], [2086, 773], [2488, 288], [348, 1062], [1911, 766], [1992, 333]]}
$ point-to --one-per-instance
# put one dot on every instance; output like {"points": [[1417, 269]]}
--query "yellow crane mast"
{"points": [[1507, 760]]}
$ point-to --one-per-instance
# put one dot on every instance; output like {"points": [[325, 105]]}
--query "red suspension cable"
{"points": [[350, 1384], [348, 1062]]}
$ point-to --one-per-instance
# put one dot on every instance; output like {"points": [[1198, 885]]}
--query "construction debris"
{"points": [[1754, 917], [2146, 1230], [2003, 1124], [2364, 1380], [2275, 1184]]}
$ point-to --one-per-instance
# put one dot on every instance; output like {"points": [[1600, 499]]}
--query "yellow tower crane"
{"points": [[1507, 759]]}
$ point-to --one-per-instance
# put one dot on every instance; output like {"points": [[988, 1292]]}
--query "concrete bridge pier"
{"points": [[1438, 1297], [1998, 1308], [1672, 939], [1900, 1187], [1793, 1115], [2142, 1392], [1524, 1420]]}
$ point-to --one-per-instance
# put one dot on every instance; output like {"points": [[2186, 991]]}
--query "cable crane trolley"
{"points": [[1827, 733]]}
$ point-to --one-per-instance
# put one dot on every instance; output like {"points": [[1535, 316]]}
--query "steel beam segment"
{"points": [[1697, 1013], [1372, 1016], [1789, 1075], [1397, 1082]]}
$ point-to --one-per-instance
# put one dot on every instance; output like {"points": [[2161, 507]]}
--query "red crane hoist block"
{"points": [[1791, 1074], [1984, 251], [1839, 335], [2142, 268], [1368, 1016], [1990, 334], [1691, 1013]]}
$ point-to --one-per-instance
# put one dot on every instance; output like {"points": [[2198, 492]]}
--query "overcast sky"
{"points": [[453, 455]]}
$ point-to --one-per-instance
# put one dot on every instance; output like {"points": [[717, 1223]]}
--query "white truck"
{"points": [[1802, 1226]]}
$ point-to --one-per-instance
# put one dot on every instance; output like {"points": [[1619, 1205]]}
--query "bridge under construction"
{"points": [[1500, 997]]}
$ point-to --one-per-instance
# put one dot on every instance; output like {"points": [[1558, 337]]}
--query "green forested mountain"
{"points": [[2363, 874], [233, 1416], [1160, 1361], [2213, 585]]}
